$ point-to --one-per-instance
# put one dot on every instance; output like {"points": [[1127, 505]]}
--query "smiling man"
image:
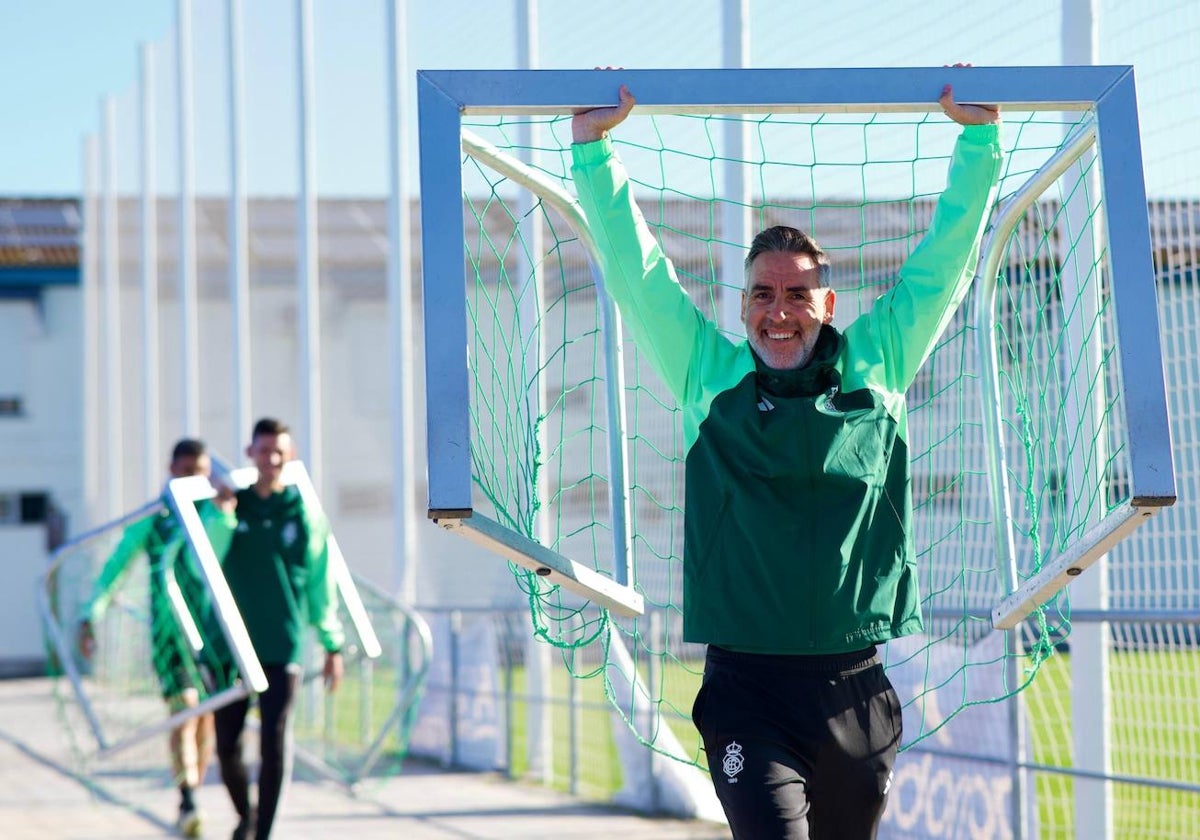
{"points": [[787, 298], [798, 555]]}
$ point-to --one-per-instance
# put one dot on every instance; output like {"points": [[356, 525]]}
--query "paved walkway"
{"points": [[42, 796]]}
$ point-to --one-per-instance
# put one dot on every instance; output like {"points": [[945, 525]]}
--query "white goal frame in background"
{"points": [[445, 97], [182, 495], [185, 492]]}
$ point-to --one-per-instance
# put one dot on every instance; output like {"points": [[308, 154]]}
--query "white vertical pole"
{"points": [[735, 209], [239, 264], [537, 653], [188, 334], [110, 284], [1090, 692], [89, 318], [401, 336], [152, 458], [309, 326]]}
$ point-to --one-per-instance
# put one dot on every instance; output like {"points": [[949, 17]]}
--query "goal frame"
{"points": [[445, 97], [185, 492]]}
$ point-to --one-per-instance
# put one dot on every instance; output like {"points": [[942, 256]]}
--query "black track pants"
{"points": [[800, 747], [274, 706]]}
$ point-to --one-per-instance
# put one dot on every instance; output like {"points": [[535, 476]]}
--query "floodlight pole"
{"points": [[529, 258], [151, 432], [400, 311], [239, 263], [735, 209], [110, 284], [308, 283], [89, 239], [190, 354], [1080, 279]]}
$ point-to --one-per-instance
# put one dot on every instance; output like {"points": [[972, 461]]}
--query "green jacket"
{"points": [[278, 571], [798, 511]]}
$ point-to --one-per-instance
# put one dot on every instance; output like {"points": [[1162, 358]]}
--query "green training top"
{"points": [[278, 570], [798, 511]]}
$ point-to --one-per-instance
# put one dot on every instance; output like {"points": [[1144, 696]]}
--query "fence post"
{"points": [[574, 722], [455, 633], [510, 639], [366, 682], [655, 680]]}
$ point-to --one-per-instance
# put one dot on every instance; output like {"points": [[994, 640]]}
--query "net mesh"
{"points": [[864, 185], [360, 734], [135, 597]]}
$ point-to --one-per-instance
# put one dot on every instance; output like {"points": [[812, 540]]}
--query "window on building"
{"points": [[11, 406], [24, 508]]}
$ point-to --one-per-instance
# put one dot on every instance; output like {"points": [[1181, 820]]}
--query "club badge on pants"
{"points": [[733, 762]]}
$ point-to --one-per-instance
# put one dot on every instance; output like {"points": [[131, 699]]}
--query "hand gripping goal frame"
{"points": [[1108, 93]]}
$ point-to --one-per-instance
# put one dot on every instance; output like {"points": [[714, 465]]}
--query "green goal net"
{"points": [[1018, 442], [132, 627]]}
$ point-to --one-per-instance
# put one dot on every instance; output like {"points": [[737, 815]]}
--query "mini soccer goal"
{"points": [[1038, 426], [150, 641], [153, 640]]}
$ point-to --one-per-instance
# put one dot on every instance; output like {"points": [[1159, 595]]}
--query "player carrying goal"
{"points": [[183, 674], [798, 552]]}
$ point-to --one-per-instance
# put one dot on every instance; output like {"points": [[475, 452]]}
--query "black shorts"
{"points": [[799, 746], [179, 670]]}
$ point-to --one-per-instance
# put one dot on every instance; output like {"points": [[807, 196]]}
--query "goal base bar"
{"points": [[1061, 570], [545, 563], [211, 704]]}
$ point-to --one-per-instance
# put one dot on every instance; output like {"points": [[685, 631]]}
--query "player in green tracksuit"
{"points": [[798, 552], [278, 571], [181, 673]]}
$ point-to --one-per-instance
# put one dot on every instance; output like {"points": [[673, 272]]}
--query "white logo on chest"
{"points": [[827, 405], [733, 762], [288, 534]]}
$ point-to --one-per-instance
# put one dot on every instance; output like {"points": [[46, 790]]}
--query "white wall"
{"points": [[41, 451], [23, 551]]}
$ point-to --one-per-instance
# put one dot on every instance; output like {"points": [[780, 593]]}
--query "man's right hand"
{"points": [[87, 639], [592, 125]]}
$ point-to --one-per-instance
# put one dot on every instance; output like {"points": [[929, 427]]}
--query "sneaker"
{"points": [[190, 822]]}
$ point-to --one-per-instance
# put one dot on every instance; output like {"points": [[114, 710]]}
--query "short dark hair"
{"points": [[788, 240], [188, 448], [269, 426]]}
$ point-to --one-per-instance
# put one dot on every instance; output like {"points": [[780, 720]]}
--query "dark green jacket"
{"points": [[278, 571], [798, 511]]}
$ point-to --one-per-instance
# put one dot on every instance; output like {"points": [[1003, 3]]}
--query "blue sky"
{"points": [[61, 56], [57, 59]]}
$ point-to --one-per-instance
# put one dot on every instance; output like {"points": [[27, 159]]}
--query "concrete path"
{"points": [[44, 795]]}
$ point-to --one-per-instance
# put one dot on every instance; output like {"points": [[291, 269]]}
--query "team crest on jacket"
{"points": [[828, 404], [289, 534], [733, 762]]}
